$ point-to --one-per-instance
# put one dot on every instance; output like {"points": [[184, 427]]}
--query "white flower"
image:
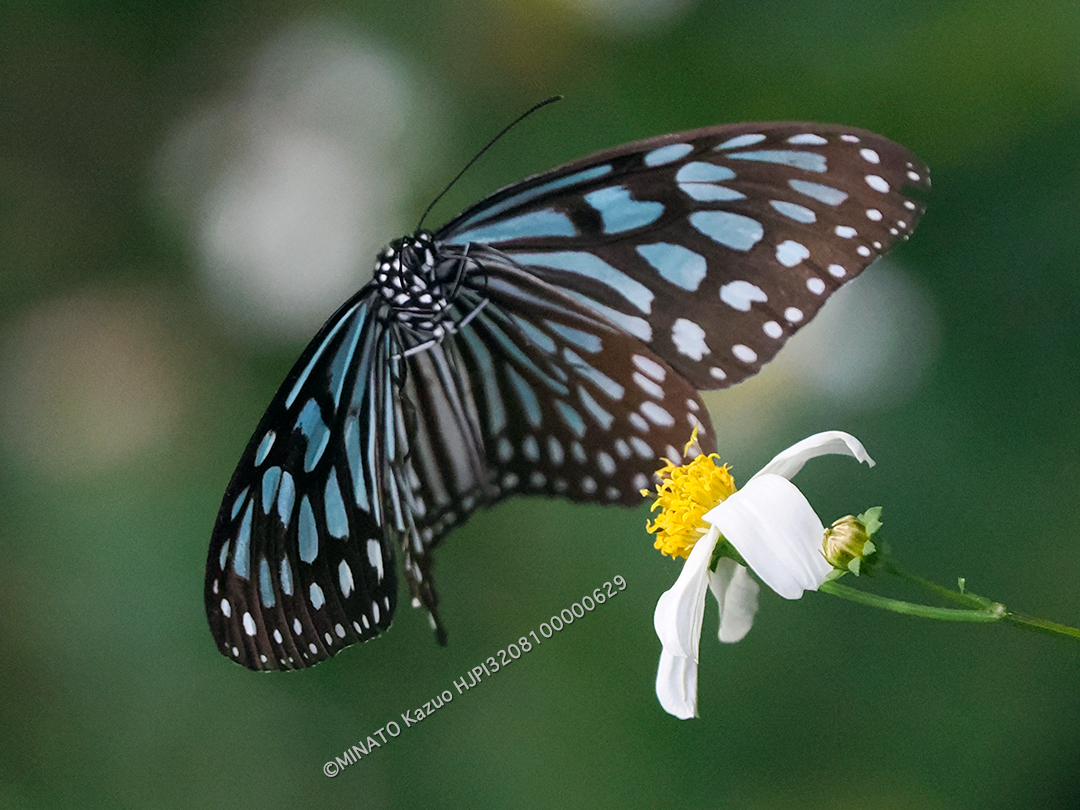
{"points": [[776, 532]]}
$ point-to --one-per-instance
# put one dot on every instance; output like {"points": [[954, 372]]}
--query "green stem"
{"points": [[963, 597], [1041, 625], [976, 608], [992, 612]]}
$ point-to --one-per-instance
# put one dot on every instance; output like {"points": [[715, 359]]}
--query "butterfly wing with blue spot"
{"points": [[533, 394], [712, 246], [570, 404], [299, 566]]}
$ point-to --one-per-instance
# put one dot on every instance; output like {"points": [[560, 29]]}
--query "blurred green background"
{"points": [[188, 189]]}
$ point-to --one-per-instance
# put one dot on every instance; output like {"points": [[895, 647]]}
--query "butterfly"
{"points": [[551, 339]]}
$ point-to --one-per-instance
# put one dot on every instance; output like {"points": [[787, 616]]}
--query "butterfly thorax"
{"points": [[406, 275]]}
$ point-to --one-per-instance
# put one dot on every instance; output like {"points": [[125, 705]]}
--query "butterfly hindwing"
{"points": [[571, 404], [516, 401]]}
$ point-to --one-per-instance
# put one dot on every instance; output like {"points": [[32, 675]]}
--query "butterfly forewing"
{"points": [[713, 246], [298, 567]]}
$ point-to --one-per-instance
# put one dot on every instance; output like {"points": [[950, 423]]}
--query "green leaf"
{"points": [[871, 519]]}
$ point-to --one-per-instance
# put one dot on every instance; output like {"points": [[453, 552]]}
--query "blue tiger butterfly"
{"points": [[550, 339]]}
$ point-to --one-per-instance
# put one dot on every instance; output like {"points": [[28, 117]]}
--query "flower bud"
{"points": [[847, 543]]}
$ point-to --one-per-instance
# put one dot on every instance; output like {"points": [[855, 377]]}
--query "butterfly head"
{"points": [[406, 278]]}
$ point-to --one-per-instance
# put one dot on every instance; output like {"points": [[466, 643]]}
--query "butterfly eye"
{"points": [[552, 339]]}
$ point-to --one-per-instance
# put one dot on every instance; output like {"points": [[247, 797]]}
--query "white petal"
{"points": [[832, 442], [676, 685], [681, 608], [737, 594], [776, 532]]}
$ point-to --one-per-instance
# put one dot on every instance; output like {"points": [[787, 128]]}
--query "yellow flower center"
{"points": [[683, 496]]}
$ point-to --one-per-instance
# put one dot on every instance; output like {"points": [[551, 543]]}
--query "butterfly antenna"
{"points": [[477, 156]]}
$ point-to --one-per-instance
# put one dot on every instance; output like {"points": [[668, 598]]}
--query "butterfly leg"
{"points": [[422, 586]]}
